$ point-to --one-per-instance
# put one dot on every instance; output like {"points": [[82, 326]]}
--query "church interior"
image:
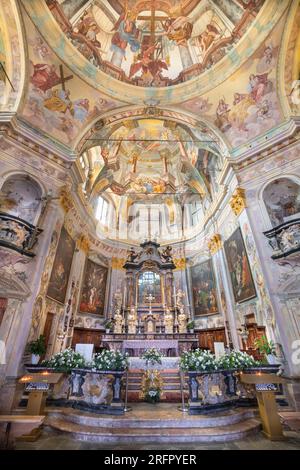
{"points": [[149, 224]]}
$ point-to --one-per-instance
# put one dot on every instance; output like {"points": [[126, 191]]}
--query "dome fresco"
{"points": [[154, 43]]}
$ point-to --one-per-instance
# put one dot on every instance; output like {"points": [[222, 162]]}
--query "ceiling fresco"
{"points": [[154, 43], [247, 104], [56, 100], [153, 157]]}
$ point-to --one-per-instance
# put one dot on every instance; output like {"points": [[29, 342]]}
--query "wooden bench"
{"points": [[291, 419], [15, 426]]}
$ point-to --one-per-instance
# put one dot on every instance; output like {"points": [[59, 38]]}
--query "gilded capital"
{"points": [[117, 263], [83, 243], [180, 263], [214, 243], [238, 201], [65, 200]]}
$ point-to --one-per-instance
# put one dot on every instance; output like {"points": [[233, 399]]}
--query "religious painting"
{"points": [[149, 288], [150, 45], [204, 289], [93, 289], [247, 105], [239, 268], [61, 267], [56, 101]]}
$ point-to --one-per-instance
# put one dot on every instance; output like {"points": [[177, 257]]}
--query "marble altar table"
{"points": [[137, 346]]}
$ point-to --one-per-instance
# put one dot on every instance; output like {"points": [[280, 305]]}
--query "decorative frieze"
{"points": [[215, 243], [238, 201]]}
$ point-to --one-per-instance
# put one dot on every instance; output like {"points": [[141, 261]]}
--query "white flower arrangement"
{"points": [[237, 360], [110, 360], [198, 360], [65, 361], [201, 361], [152, 356]]}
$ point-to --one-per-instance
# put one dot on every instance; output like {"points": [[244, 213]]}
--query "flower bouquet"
{"points": [[110, 360], [65, 361], [152, 356], [198, 360], [236, 360]]}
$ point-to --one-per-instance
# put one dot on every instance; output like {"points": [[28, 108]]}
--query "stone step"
{"points": [[154, 418], [148, 435]]}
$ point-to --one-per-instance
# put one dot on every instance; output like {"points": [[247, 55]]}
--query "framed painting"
{"points": [[93, 290], [239, 268], [58, 283], [204, 289]]}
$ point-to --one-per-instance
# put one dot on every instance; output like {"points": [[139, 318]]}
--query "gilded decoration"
{"points": [[65, 200], [215, 243], [238, 201], [83, 243], [180, 264], [117, 263]]}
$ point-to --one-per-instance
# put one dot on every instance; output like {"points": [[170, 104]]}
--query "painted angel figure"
{"points": [[178, 29], [147, 63], [126, 33]]}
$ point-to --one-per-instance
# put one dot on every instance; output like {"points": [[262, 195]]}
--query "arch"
{"points": [[186, 119], [284, 201], [12, 287], [21, 196]]}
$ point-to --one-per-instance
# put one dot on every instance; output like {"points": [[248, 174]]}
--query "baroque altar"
{"points": [[150, 308]]}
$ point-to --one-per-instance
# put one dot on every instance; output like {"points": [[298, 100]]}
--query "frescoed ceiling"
{"points": [[154, 43], [150, 156], [67, 92]]}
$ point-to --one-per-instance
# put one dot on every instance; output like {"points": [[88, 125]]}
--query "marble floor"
{"points": [[54, 440]]}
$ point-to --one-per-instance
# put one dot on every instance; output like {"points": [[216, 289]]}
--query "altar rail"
{"points": [[17, 234], [222, 388], [285, 239]]}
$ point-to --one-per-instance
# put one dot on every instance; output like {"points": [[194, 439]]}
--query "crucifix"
{"points": [[150, 298], [64, 79]]}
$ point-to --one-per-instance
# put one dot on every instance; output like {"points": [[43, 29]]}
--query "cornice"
{"points": [[277, 138], [20, 133]]}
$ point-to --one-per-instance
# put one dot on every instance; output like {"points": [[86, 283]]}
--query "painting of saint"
{"points": [[204, 289], [238, 265], [93, 289], [61, 267]]}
